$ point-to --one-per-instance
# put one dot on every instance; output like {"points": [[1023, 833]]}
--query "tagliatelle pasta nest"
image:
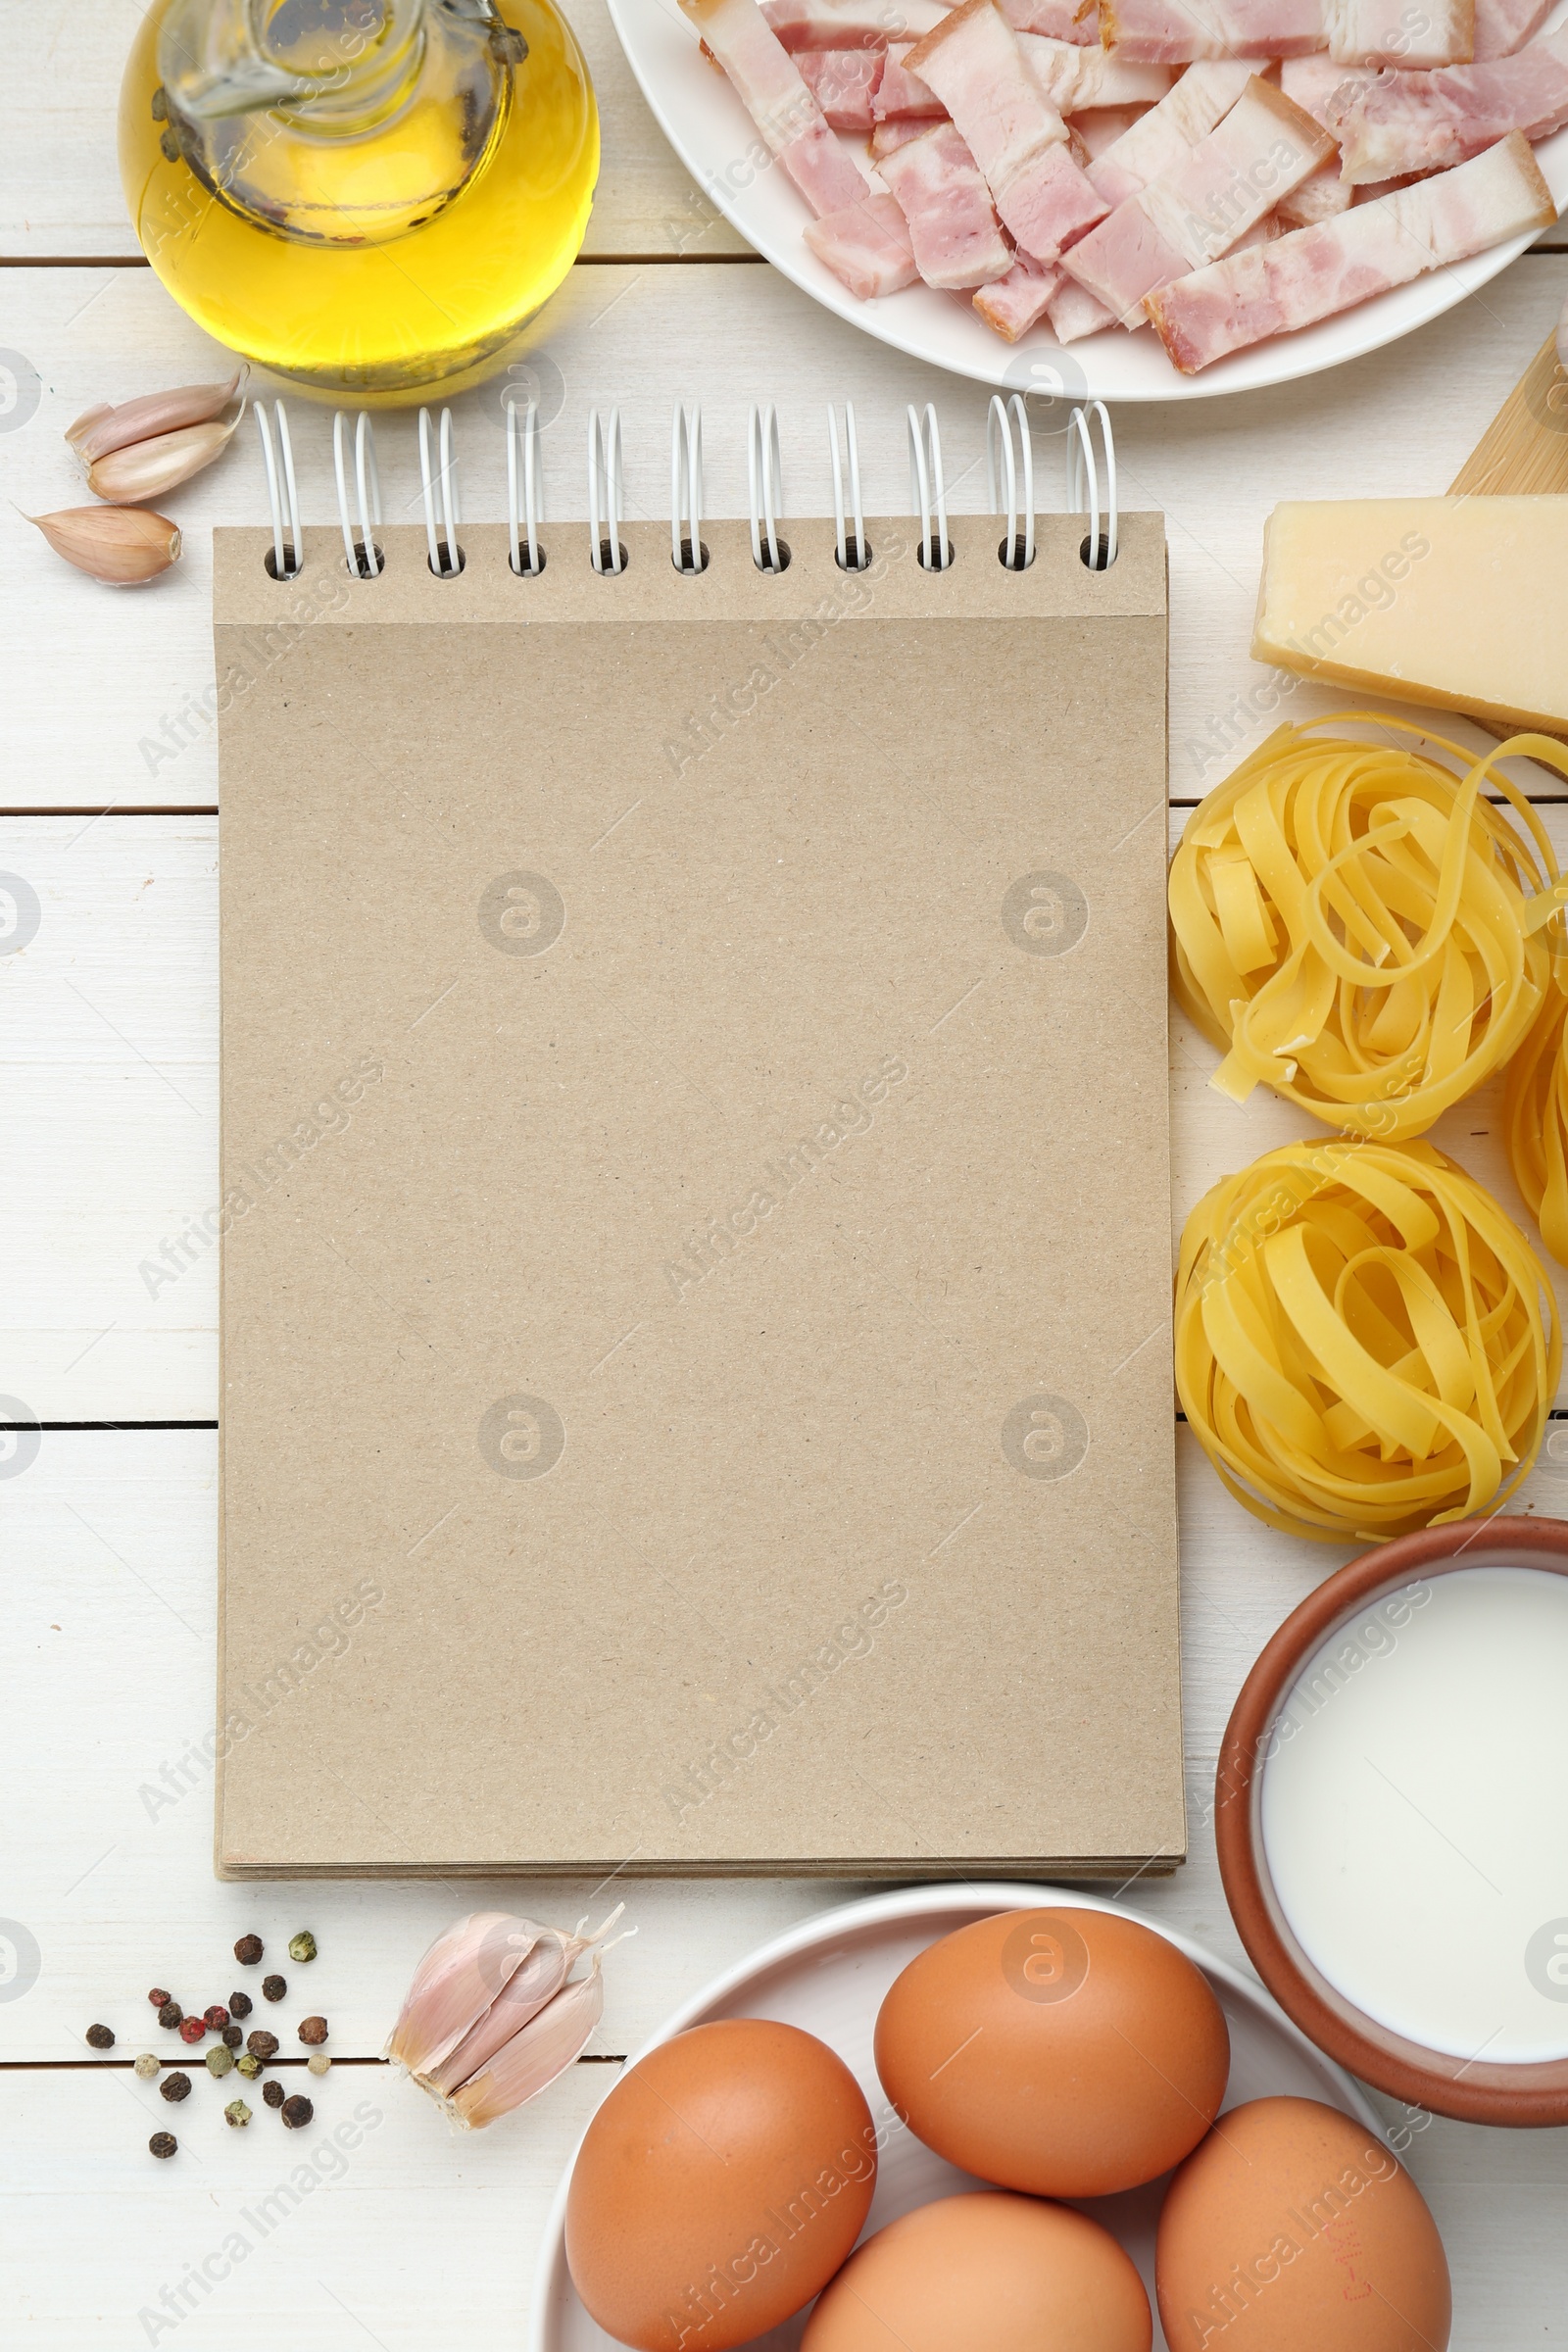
{"points": [[1365, 1343], [1355, 926], [1535, 1116]]}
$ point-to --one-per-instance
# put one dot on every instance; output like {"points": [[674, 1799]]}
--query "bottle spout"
{"points": [[221, 58]]}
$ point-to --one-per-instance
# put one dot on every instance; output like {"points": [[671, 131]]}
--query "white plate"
{"points": [[830, 1976], [714, 135]]}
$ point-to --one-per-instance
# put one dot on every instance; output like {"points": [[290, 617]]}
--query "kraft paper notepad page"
{"points": [[697, 1274]]}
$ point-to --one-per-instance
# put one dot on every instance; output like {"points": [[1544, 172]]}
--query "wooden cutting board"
{"points": [[1524, 450]]}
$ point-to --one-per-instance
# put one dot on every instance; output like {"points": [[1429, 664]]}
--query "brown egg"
{"points": [[1068, 2053], [985, 2274], [1294, 2229], [720, 2184]]}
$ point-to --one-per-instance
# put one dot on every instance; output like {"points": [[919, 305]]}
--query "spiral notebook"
{"points": [[696, 1260]]}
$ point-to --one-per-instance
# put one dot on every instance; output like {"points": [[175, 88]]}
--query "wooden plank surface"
{"points": [[111, 711]]}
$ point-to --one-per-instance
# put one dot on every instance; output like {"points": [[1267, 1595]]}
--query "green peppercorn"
{"points": [[248, 2066], [237, 2113], [219, 2060], [302, 1947]]}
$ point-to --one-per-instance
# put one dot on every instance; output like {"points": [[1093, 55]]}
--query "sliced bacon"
{"points": [[1312, 82], [1505, 26], [1318, 197], [888, 137], [851, 24], [843, 82], [1315, 273], [1395, 32], [1059, 19], [1174, 32], [1074, 312], [1076, 79], [901, 96], [786, 113], [1102, 126], [942, 195], [1014, 304], [1170, 129], [1204, 205], [1016, 137], [1430, 122], [867, 245]]}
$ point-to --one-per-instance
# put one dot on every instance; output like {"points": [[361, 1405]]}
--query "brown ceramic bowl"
{"points": [[1471, 2089]]}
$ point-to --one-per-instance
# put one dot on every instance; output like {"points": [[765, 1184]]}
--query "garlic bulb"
{"points": [[493, 2014], [122, 546]]}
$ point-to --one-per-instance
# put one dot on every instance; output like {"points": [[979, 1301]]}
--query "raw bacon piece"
{"points": [[1074, 312], [1101, 128], [953, 223], [888, 137], [1169, 130], [1394, 33], [1320, 195], [1204, 205], [1315, 273], [851, 24], [1505, 26], [1016, 137], [778, 102], [1059, 19], [1018, 302], [901, 96], [1430, 122], [867, 246], [1077, 79], [842, 81], [1173, 33], [1311, 82]]}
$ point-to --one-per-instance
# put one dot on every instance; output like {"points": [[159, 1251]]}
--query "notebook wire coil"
{"points": [[765, 476], [1084, 481], [287, 559], [928, 492], [525, 501], [439, 489], [364, 557], [1015, 472], [686, 550], [605, 550], [850, 555]]}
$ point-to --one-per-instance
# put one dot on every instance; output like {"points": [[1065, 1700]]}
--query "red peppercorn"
{"points": [[193, 2028], [216, 2017], [158, 1996]]}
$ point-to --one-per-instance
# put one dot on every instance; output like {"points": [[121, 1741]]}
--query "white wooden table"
{"points": [[108, 1151]]}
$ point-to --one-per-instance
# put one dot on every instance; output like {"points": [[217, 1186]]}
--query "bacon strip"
{"points": [[1169, 130], [1312, 82], [843, 81], [888, 137], [1430, 122], [1395, 33], [1018, 302], [941, 194], [1074, 312], [851, 24], [1204, 205], [1058, 19], [1016, 137], [901, 96], [1315, 273], [1075, 79], [1505, 26], [770, 89], [1174, 32], [867, 246]]}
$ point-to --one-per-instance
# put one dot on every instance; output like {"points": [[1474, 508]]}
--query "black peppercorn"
{"points": [[248, 1951], [100, 2038], [312, 2031], [163, 2143], [175, 2086], [239, 2004], [170, 2014], [273, 1987], [233, 2036], [297, 2112], [261, 2044], [272, 2093]]}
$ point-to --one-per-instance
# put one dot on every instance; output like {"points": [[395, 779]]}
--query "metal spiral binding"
{"points": [[1018, 547], [1083, 476], [850, 555], [525, 500], [927, 489], [364, 557], [440, 496], [765, 471], [288, 540], [605, 550], [686, 550]]}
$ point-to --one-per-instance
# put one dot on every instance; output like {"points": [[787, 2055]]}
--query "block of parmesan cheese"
{"points": [[1459, 602]]}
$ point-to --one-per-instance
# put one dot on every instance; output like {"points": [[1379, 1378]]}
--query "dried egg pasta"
{"points": [[1535, 1116], [1365, 1343], [1356, 927]]}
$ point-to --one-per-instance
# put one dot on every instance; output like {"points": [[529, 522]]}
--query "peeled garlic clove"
{"points": [[98, 431], [147, 468], [532, 2059], [455, 1983], [119, 545]]}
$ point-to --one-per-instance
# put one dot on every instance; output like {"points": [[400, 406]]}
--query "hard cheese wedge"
{"points": [[1456, 602]]}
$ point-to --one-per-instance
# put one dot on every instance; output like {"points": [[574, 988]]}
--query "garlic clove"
{"points": [[541, 1976], [455, 1983], [147, 468], [532, 2059], [122, 546], [98, 431]]}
